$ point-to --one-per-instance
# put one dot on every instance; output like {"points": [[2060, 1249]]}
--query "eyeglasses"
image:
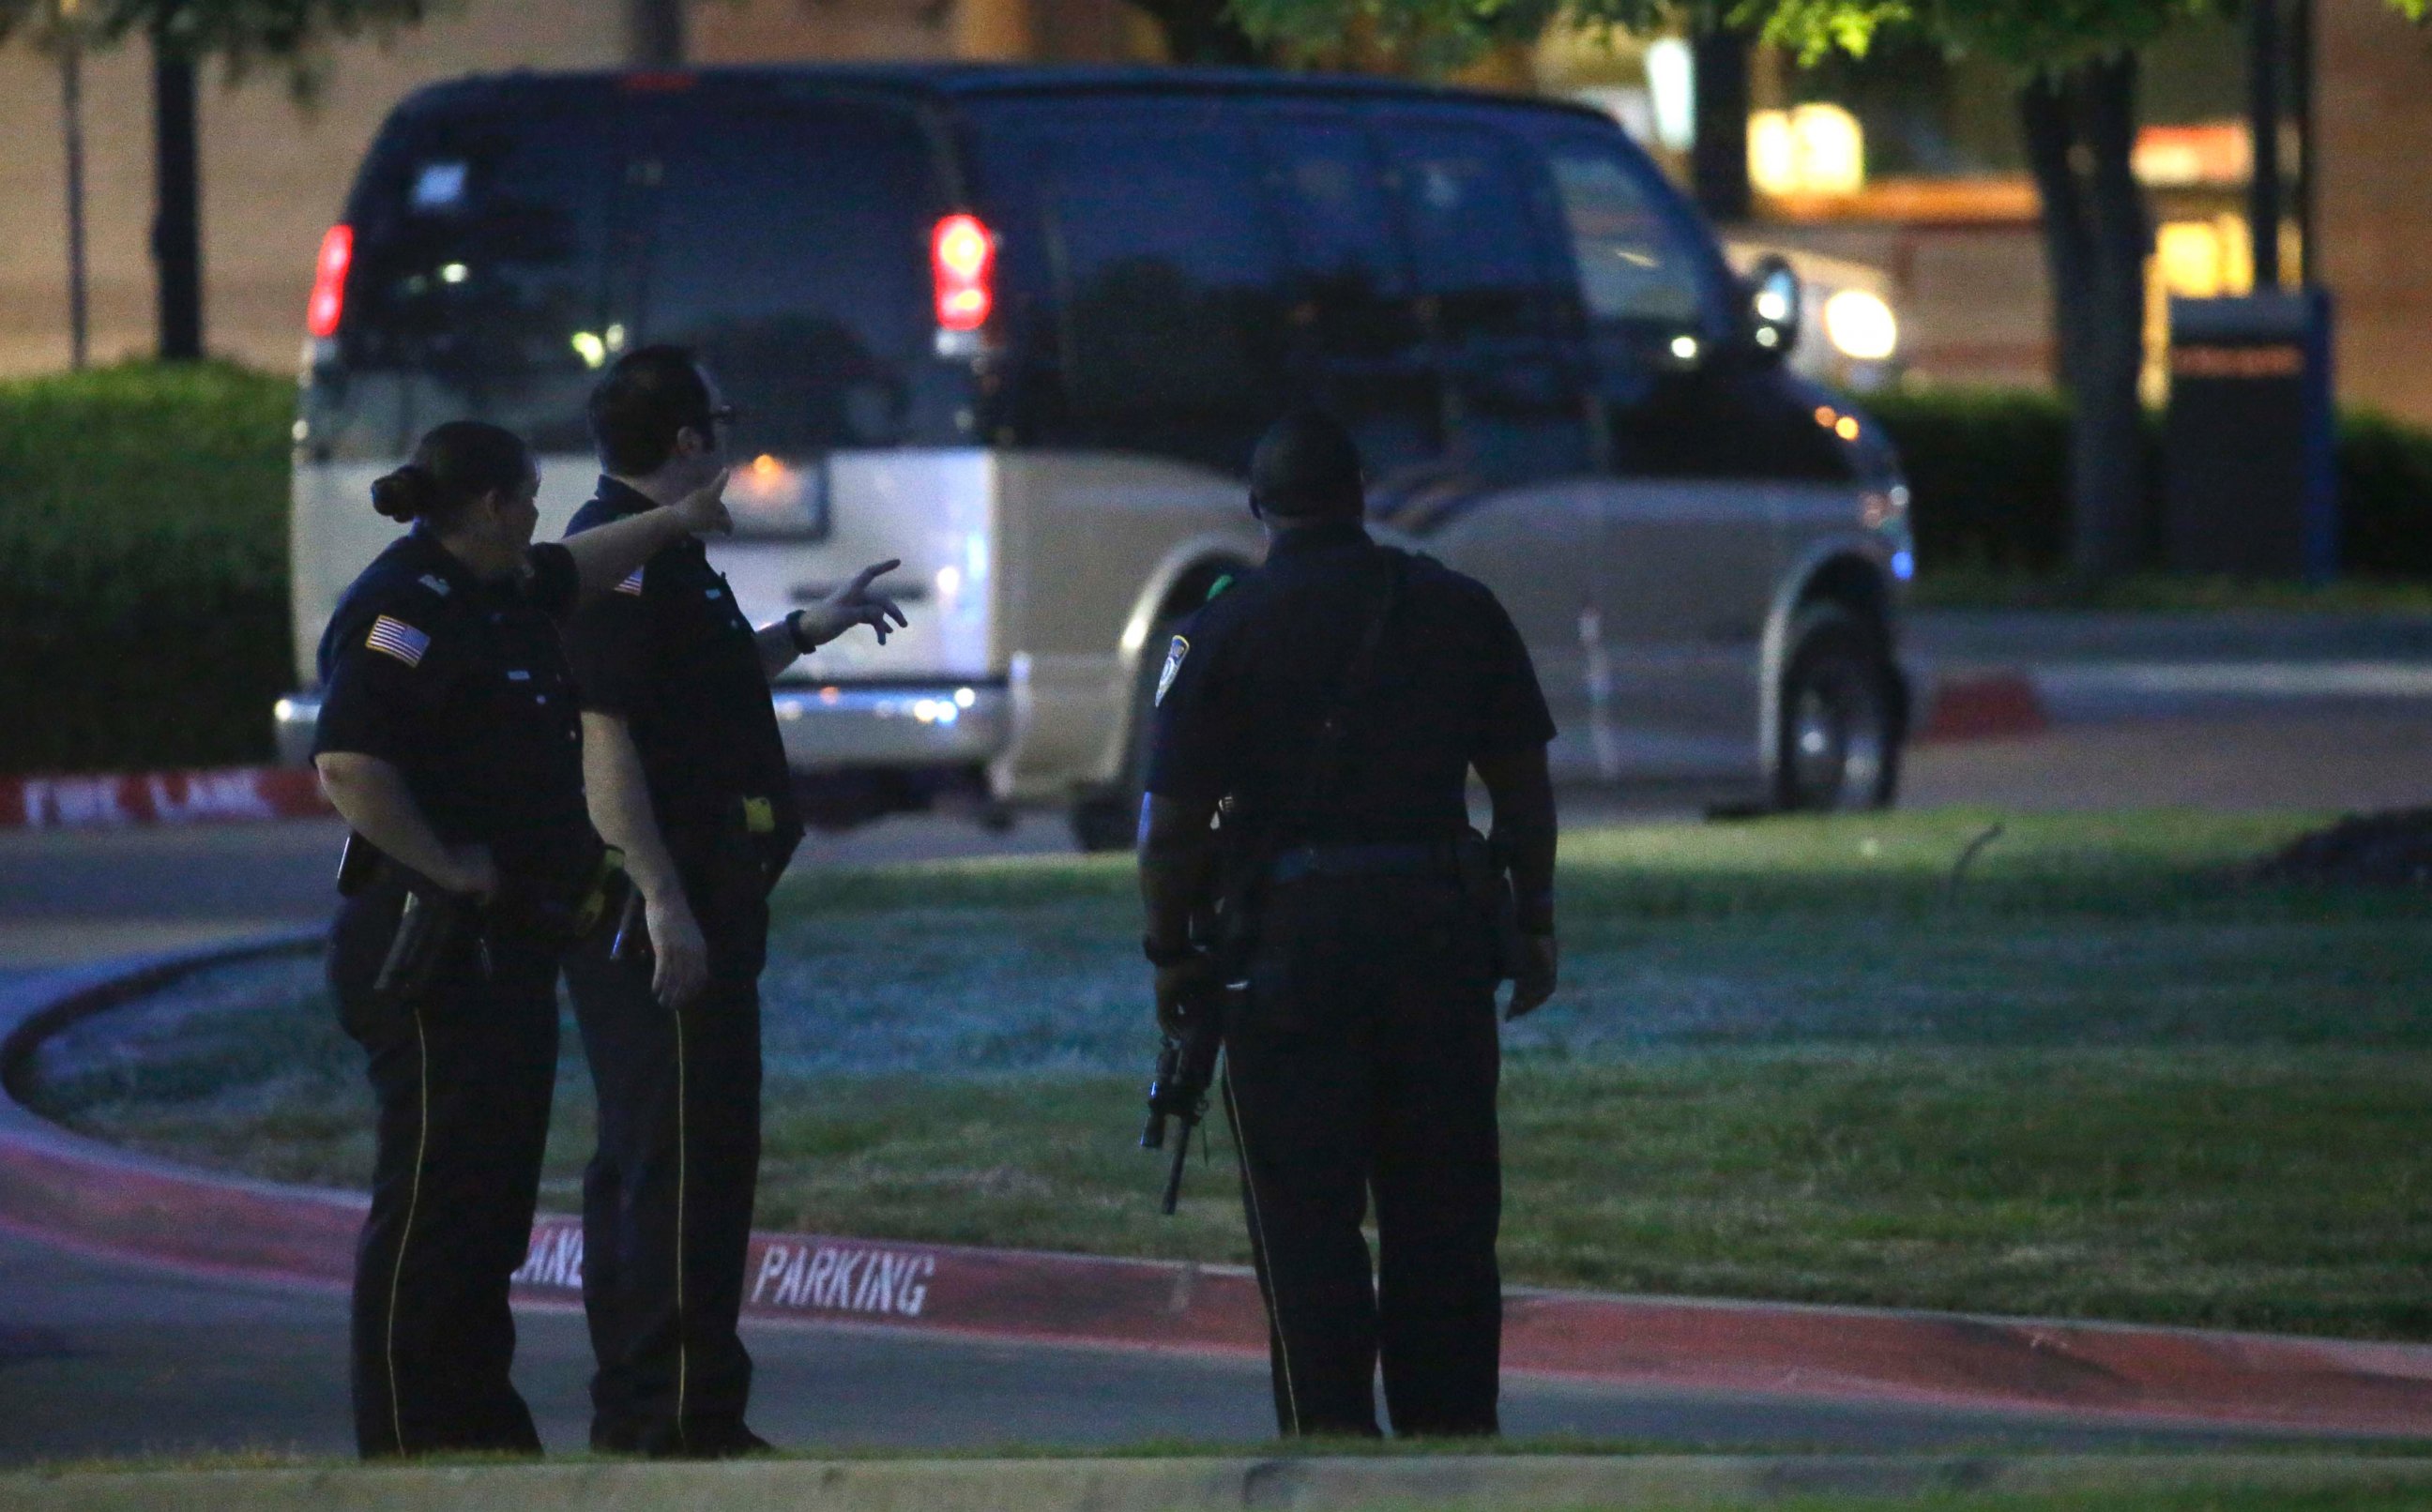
{"points": [[725, 414]]}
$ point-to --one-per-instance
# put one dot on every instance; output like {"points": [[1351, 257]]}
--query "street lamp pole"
{"points": [[2263, 138], [72, 131]]}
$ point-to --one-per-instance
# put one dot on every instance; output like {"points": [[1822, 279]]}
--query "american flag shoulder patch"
{"points": [[395, 637], [633, 583]]}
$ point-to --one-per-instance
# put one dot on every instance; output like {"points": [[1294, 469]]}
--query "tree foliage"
{"points": [[2027, 35], [240, 33]]}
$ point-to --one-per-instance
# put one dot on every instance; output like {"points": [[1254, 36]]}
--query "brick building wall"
{"points": [[2374, 115]]}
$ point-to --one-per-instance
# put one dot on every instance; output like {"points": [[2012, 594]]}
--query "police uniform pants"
{"points": [[463, 1078], [1366, 1063], [667, 1201]]}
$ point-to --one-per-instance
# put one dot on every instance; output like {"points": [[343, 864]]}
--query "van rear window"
{"points": [[480, 251], [504, 254], [791, 247]]}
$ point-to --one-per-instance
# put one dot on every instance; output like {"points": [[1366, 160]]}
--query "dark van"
{"points": [[1019, 327]]}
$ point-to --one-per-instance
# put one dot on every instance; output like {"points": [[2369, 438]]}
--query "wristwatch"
{"points": [[794, 633]]}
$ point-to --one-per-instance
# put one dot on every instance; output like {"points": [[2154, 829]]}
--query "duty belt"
{"points": [[1365, 861]]}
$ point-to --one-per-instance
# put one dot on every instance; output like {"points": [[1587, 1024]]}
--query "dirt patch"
{"points": [[2392, 848]]}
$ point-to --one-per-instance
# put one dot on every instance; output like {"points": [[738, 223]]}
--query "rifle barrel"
{"points": [[1174, 1173]]}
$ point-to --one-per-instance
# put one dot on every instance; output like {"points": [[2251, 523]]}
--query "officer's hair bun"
{"points": [[408, 493]]}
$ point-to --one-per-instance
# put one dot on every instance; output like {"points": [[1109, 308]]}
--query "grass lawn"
{"points": [[2101, 1075]]}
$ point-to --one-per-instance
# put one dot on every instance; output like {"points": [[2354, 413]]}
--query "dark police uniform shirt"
{"points": [[669, 652], [462, 686], [1251, 675]]}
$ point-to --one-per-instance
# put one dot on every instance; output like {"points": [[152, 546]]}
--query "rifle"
{"points": [[1178, 1092]]}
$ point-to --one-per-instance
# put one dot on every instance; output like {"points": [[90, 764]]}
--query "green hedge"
{"points": [[1988, 472], [143, 566]]}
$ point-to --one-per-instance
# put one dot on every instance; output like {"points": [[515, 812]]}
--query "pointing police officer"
{"points": [[448, 741], [687, 772], [1333, 703]]}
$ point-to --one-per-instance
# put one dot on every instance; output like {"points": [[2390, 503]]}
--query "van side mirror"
{"points": [[1773, 307]]}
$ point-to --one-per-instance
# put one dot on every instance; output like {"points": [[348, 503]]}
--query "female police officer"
{"points": [[449, 739]]}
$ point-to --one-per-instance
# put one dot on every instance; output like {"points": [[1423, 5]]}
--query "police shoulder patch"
{"points": [[396, 638], [633, 583], [1173, 655]]}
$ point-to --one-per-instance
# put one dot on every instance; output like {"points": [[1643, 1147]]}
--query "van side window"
{"points": [[480, 263], [788, 245], [1472, 199], [1166, 274], [1364, 355], [1634, 268], [1464, 201]]}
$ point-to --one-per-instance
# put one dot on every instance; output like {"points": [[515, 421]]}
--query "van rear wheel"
{"points": [[1840, 731]]}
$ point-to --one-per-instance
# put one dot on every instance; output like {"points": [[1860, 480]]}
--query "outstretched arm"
{"points": [[813, 627], [607, 555]]}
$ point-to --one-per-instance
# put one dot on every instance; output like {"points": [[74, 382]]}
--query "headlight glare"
{"points": [[1861, 326]]}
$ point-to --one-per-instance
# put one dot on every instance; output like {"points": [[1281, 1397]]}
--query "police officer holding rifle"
{"points": [[448, 740], [1331, 706]]}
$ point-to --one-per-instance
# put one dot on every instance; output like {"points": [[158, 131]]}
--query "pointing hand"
{"points": [[703, 510], [854, 604]]}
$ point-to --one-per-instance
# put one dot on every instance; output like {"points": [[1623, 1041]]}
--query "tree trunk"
{"points": [[1201, 32], [2079, 128], [1718, 151], [71, 140], [176, 205], [655, 33]]}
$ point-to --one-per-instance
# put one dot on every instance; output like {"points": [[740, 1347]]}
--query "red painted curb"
{"points": [[77, 1191], [115, 799], [1991, 707], [1994, 706]]}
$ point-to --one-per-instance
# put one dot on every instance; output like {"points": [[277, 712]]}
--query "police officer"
{"points": [[1335, 701], [448, 739], [687, 774]]}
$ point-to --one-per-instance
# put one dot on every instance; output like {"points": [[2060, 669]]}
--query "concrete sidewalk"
{"points": [[1215, 1484]]}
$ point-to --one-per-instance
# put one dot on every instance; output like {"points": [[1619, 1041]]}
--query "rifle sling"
{"points": [[1325, 753]]}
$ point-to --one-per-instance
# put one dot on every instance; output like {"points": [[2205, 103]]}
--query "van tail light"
{"points": [[330, 281], [962, 257]]}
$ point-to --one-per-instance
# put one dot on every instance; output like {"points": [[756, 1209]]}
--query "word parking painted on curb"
{"points": [[788, 1274], [842, 1278], [555, 1258]]}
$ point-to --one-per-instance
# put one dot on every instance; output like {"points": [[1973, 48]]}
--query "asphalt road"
{"points": [[102, 1357]]}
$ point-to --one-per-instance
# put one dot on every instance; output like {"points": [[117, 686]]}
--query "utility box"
{"points": [[2251, 489]]}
